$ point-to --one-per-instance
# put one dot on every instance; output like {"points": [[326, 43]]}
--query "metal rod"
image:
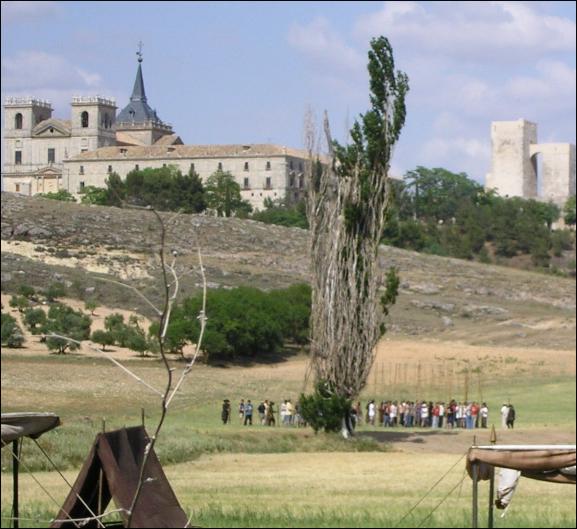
{"points": [[475, 523], [15, 470]]}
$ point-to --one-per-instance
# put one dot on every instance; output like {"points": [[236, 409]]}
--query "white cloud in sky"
{"points": [[16, 11], [322, 45], [474, 30]]}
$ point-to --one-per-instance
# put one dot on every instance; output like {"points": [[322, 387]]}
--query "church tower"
{"points": [[92, 124], [137, 123]]}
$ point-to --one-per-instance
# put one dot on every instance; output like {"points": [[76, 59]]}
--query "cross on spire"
{"points": [[139, 52]]}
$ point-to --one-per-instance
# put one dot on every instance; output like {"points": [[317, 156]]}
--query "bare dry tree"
{"points": [[348, 199], [170, 281]]}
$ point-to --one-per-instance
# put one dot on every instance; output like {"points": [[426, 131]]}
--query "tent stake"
{"points": [[475, 495], [15, 470]]}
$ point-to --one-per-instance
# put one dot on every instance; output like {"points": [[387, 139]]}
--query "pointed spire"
{"points": [[138, 93]]}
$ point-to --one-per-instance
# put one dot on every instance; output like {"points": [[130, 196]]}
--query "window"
{"points": [[268, 184], [18, 121], [109, 169], [291, 181], [123, 151], [81, 187], [301, 167], [84, 120], [17, 188], [191, 167], [83, 150], [246, 166], [51, 155], [268, 166], [81, 170], [137, 167], [163, 165], [301, 182], [290, 164], [246, 183], [18, 157], [220, 166]]}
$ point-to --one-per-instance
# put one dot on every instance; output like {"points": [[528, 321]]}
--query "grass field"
{"points": [[235, 476]]}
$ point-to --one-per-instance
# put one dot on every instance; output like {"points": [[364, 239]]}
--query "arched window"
{"points": [[18, 121], [84, 119]]}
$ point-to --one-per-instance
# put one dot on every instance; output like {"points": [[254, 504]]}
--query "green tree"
{"points": [[348, 205], [19, 302], [95, 195], [61, 195], [35, 319], [282, 214], [11, 334], [223, 195], [569, 211], [103, 338], [67, 323], [26, 291], [55, 291], [91, 305]]}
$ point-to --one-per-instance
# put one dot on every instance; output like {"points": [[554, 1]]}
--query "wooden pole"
{"points": [[493, 441], [475, 469], [142, 416], [101, 478], [15, 470]]}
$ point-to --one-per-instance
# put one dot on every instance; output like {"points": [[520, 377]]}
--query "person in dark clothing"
{"points": [[225, 414], [262, 412], [511, 417], [248, 413]]}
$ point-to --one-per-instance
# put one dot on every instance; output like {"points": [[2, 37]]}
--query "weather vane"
{"points": [[139, 52]]}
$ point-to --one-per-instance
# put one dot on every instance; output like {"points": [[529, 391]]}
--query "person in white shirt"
{"points": [[504, 413]]}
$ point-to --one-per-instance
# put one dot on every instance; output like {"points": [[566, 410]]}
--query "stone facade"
{"points": [[515, 169], [44, 154]]}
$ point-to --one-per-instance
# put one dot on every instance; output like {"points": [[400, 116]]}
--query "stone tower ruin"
{"points": [[514, 164]]}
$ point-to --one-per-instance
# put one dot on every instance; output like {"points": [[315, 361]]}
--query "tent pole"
{"points": [[15, 470], [493, 440], [475, 469]]}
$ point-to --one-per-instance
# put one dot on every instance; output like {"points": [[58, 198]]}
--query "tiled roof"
{"points": [[189, 151]]}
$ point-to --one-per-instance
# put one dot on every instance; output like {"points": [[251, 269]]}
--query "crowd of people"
{"points": [[408, 414], [288, 413]]}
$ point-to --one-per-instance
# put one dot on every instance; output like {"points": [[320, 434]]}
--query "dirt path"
{"points": [[458, 441]]}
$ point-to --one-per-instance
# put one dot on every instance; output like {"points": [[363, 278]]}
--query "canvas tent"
{"points": [[111, 471], [553, 463], [16, 426]]}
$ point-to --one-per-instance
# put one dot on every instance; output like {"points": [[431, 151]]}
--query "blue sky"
{"points": [[245, 72]]}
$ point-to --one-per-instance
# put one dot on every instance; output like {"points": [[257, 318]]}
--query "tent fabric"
{"points": [[117, 456], [26, 424], [545, 463]]}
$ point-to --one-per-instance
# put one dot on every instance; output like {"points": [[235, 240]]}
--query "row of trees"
{"points": [[444, 213], [167, 189], [243, 322]]}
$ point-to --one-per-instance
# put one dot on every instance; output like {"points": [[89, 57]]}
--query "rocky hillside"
{"points": [[441, 298]]}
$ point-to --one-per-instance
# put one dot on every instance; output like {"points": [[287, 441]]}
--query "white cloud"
{"points": [[28, 70], [324, 47], [15, 11], [476, 30]]}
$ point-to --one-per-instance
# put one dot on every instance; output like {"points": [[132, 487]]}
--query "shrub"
{"points": [[35, 319], [67, 322], [11, 334], [103, 338], [324, 410]]}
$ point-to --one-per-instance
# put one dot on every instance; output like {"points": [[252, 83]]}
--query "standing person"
{"points": [[270, 420], [241, 410], [261, 412], [372, 412], [283, 413], [424, 415], [225, 413], [290, 411], [248, 413], [393, 412], [435, 421], [381, 411], [511, 416], [359, 412], [484, 413], [475, 414], [504, 413], [441, 414]]}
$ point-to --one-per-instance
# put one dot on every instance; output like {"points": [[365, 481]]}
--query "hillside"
{"points": [[441, 298]]}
